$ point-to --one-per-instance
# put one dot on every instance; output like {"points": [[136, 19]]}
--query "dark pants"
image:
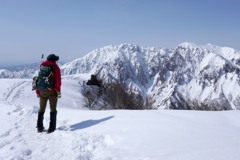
{"points": [[44, 97]]}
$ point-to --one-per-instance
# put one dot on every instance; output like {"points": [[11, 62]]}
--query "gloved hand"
{"points": [[59, 95]]}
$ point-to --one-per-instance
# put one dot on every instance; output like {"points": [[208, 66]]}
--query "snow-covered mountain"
{"points": [[189, 76], [21, 71]]}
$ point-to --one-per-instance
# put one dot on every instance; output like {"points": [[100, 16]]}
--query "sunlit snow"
{"points": [[111, 134]]}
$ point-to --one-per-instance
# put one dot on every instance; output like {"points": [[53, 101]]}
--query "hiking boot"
{"points": [[40, 127], [52, 124]]}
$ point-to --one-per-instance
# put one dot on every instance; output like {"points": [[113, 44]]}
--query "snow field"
{"points": [[111, 135]]}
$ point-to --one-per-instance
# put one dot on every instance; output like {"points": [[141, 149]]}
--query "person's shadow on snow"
{"points": [[88, 123]]}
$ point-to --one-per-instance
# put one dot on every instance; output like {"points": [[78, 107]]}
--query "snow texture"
{"points": [[111, 135]]}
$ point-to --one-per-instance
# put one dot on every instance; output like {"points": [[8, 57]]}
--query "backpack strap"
{"points": [[49, 74]]}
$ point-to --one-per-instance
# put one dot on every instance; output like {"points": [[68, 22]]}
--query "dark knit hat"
{"points": [[52, 57]]}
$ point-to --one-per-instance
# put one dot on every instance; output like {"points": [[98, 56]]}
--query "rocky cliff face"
{"points": [[197, 76]]}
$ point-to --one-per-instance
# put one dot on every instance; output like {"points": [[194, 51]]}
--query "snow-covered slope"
{"points": [[189, 76], [110, 135]]}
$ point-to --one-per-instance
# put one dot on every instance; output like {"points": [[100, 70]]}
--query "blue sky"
{"points": [[72, 28]]}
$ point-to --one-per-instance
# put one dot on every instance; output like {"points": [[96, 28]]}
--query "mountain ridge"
{"points": [[186, 77]]}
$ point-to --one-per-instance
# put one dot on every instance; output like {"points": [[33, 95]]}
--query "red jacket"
{"points": [[56, 75]]}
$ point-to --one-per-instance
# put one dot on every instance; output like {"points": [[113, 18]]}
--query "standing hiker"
{"points": [[48, 87]]}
